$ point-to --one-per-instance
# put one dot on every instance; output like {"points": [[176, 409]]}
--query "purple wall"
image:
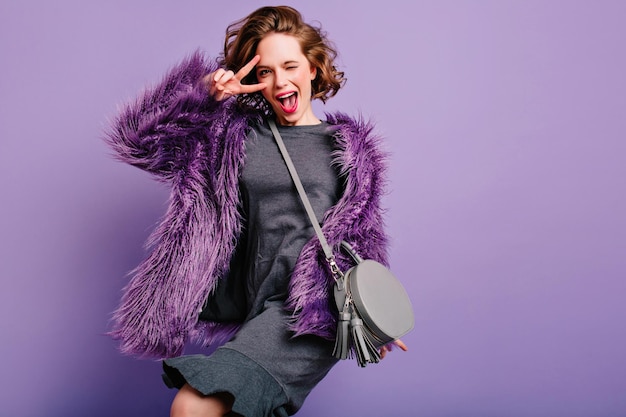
{"points": [[506, 123]]}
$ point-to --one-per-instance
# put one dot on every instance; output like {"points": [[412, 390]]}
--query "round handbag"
{"points": [[374, 309]]}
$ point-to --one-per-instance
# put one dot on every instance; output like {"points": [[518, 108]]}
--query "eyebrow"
{"points": [[284, 63]]}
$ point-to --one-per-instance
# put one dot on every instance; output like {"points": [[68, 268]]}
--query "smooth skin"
{"points": [[282, 70], [189, 402], [224, 84], [288, 75]]}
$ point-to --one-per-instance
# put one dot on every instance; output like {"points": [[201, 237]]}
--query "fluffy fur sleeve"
{"points": [[158, 131], [357, 218], [175, 132]]}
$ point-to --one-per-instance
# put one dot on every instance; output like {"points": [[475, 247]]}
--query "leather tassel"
{"points": [[342, 348], [365, 350]]}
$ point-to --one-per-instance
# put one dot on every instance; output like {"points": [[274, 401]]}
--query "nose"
{"points": [[280, 79]]}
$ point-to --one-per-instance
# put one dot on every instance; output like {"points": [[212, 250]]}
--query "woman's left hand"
{"points": [[385, 349]]}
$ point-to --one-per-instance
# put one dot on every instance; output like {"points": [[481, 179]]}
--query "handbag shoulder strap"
{"points": [[305, 200]]}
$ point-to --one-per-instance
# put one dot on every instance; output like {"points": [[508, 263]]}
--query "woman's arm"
{"points": [[358, 217], [160, 131]]}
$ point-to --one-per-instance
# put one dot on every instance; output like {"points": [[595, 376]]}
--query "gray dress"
{"points": [[269, 372]]}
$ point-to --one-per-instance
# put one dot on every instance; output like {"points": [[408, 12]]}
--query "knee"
{"points": [[186, 403], [190, 403]]}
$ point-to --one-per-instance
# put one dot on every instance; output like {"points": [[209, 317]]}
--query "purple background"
{"points": [[506, 124]]}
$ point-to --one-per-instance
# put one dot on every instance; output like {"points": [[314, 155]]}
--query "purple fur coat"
{"points": [[175, 131]]}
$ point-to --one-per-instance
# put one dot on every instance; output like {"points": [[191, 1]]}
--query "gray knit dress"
{"points": [[269, 372]]}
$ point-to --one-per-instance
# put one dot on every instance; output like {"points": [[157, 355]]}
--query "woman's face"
{"points": [[288, 75]]}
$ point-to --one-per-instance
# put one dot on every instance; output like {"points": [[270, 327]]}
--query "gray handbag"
{"points": [[374, 308]]}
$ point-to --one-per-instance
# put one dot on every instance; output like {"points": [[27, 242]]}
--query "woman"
{"points": [[235, 252]]}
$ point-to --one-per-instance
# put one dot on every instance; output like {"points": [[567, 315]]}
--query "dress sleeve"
{"points": [[159, 131]]}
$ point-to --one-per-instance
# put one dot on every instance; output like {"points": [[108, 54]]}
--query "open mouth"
{"points": [[288, 101]]}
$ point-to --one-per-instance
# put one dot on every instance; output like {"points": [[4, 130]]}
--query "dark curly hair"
{"points": [[243, 37]]}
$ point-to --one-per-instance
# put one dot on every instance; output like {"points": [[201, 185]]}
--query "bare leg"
{"points": [[191, 403]]}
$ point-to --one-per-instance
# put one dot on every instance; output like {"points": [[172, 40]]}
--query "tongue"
{"points": [[290, 103]]}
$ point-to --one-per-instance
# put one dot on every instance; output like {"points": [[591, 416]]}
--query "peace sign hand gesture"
{"points": [[224, 84]]}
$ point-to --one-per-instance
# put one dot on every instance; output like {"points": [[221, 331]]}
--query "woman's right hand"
{"points": [[223, 83]]}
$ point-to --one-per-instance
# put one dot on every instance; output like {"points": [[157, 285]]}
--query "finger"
{"points": [[224, 77], [383, 352], [222, 94], [218, 74], [252, 88], [213, 79], [245, 70], [401, 345], [220, 79], [209, 81], [215, 76]]}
